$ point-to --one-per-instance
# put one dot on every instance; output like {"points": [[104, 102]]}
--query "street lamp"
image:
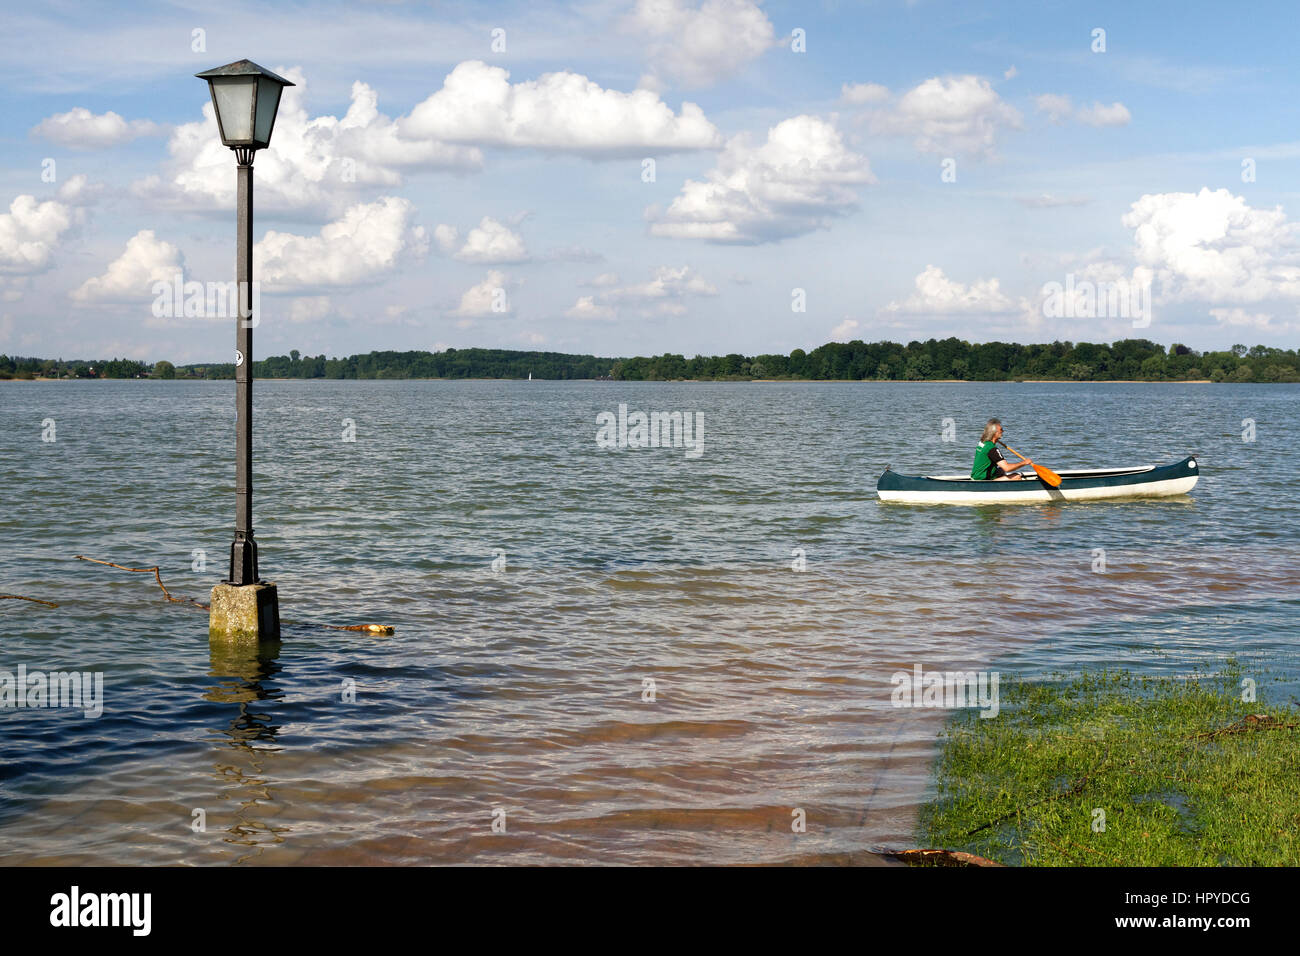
{"points": [[246, 98]]}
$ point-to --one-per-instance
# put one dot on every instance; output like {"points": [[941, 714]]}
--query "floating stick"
{"points": [[157, 576], [367, 628], [19, 597]]}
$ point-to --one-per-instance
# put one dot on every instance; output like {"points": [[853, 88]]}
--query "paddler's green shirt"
{"points": [[986, 458]]}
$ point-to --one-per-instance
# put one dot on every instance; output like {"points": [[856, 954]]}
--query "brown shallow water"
{"points": [[522, 690]]}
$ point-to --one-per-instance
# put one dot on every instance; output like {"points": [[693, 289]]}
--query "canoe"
{"points": [[1145, 481]]}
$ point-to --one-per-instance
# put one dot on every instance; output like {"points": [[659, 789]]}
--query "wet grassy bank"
{"points": [[1114, 769]]}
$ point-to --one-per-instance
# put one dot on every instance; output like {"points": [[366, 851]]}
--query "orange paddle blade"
{"points": [[1049, 477]]}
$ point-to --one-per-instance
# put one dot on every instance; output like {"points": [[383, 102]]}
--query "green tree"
{"points": [[918, 367], [164, 370], [1154, 367]]}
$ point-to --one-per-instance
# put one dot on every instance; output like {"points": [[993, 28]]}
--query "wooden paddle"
{"points": [[1050, 478]]}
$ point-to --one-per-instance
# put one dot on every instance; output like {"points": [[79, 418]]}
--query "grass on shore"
{"points": [[1185, 773]]}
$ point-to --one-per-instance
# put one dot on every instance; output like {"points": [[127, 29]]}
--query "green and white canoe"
{"points": [[1146, 481]]}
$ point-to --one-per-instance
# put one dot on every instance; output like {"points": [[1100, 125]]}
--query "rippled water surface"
{"points": [[522, 690]]}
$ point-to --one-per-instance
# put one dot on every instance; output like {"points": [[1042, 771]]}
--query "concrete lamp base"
{"points": [[244, 613]]}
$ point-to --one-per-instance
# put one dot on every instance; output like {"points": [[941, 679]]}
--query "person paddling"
{"points": [[990, 464]]}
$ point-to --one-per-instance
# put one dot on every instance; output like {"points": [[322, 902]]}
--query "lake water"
{"points": [[520, 694]]}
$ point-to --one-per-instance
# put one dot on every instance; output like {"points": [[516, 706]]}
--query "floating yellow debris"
{"points": [[371, 628]]}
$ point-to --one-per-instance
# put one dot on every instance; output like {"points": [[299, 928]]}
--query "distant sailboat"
{"points": [[530, 376]]}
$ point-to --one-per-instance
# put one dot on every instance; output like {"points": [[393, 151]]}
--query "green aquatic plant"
{"points": [[1116, 769]]}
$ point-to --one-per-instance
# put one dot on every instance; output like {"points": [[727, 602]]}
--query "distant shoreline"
{"points": [[713, 381], [948, 361], [998, 381]]}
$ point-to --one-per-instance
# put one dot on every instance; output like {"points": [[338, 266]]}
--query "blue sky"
{"points": [[920, 169]]}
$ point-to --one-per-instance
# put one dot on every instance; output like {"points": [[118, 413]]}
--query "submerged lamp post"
{"points": [[245, 98]]}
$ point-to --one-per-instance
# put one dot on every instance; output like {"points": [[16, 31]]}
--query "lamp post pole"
{"points": [[243, 550], [245, 101]]}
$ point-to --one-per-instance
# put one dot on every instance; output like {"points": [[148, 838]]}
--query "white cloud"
{"points": [[861, 94], [1050, 201], [956, 114], [318, 163], [1010, 73], [489, 297], [131, 276], [493, 243], [558, 111], [366, 243], [1060, 108], [588, 308], [13, 288], [372, 138], [844, 331], [446, 238], [668, 283], [322, 164], [936, 294], [797, 181], [700, 45], [1097, 114], [1213, 247], [1209, 247], [29, 232], [572, 253], [81, 129], [489, 243], [665, 294], [1240, 317], [79, 191], [1057, 106], [310, 308]]}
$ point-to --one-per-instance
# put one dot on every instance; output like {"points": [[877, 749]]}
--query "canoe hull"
{"points": [[1149, 482]]}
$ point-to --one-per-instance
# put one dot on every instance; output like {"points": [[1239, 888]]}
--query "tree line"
{"points": [[27, 368], [952, 358], [935, 359]]}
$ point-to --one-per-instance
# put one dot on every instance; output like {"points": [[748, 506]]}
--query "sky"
{"points": [[649, 176]]}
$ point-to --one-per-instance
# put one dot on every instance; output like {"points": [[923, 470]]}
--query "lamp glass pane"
{"points": [[268, 98], [234, 99]]}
